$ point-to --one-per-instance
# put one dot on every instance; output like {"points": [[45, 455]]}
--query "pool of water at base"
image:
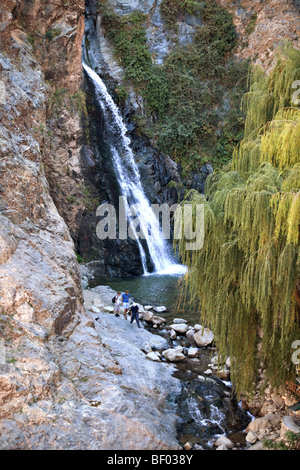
{"points": [[206, 407], [156, 290]]}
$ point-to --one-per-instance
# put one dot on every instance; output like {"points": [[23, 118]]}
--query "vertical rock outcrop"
{"points": [[262, 26], [38, 262], [61, 385]]}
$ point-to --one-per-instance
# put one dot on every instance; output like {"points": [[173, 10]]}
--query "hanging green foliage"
{"points": [[244, 278]]}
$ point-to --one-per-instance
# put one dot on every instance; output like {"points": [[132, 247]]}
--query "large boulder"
{"points": [[204, 337]]}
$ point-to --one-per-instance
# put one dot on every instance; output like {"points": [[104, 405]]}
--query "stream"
{"points": [[206, 407]]}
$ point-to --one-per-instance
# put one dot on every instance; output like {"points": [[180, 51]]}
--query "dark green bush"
{"points": [[186, 94]]}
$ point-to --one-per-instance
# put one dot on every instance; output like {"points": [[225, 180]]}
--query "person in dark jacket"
{"points": [[134, 311]]}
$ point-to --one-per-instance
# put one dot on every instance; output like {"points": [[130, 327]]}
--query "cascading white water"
{"points": [[130, 183]]}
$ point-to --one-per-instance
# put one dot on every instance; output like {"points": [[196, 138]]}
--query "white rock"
{"points": [[141, 308], [173, 334], [223, 440], [156, 320], [148, 307], [160, 309], [190, 334], [207, 372], [204, 337], [147, 316], [153, 356], [94, 309], [179, 320], [215, 360], [193, 352], [173, 355], [147, 348], [180, 328], [251, 437], [222, 447], [197, 327], [188, 446]]}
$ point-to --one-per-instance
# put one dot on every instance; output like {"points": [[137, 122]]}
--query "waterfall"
{"points": [[129, 180]]}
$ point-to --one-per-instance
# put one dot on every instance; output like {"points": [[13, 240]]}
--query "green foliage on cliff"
{"points": [[128, 36], [193, 99], [244, 278]]}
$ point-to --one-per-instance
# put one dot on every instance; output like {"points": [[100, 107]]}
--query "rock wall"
{"points": [[62, 386], [38, 263], [262, 26]]}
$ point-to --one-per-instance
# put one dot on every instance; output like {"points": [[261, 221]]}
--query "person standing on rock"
{"points": [[118, 301], [135, 314], [125, 302]]}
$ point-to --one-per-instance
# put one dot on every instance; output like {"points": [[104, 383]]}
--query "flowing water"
{"points": [[205, 407], [136, 204]]}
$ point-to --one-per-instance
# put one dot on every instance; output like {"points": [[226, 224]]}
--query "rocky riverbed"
{"points": [[208, 415], [203, 408]]}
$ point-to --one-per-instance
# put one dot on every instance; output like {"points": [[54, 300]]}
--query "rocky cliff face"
{"points": [[262, 26], [61, 387]]}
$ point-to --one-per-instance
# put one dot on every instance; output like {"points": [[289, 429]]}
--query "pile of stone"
{"points": [[190, 339], [186, 340]]}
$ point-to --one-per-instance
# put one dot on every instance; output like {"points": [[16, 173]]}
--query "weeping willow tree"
{"points": [[244, 278]]}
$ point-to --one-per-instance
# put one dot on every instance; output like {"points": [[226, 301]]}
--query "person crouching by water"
{"points": [[118, 301], [125, 303], [134, 311]]}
